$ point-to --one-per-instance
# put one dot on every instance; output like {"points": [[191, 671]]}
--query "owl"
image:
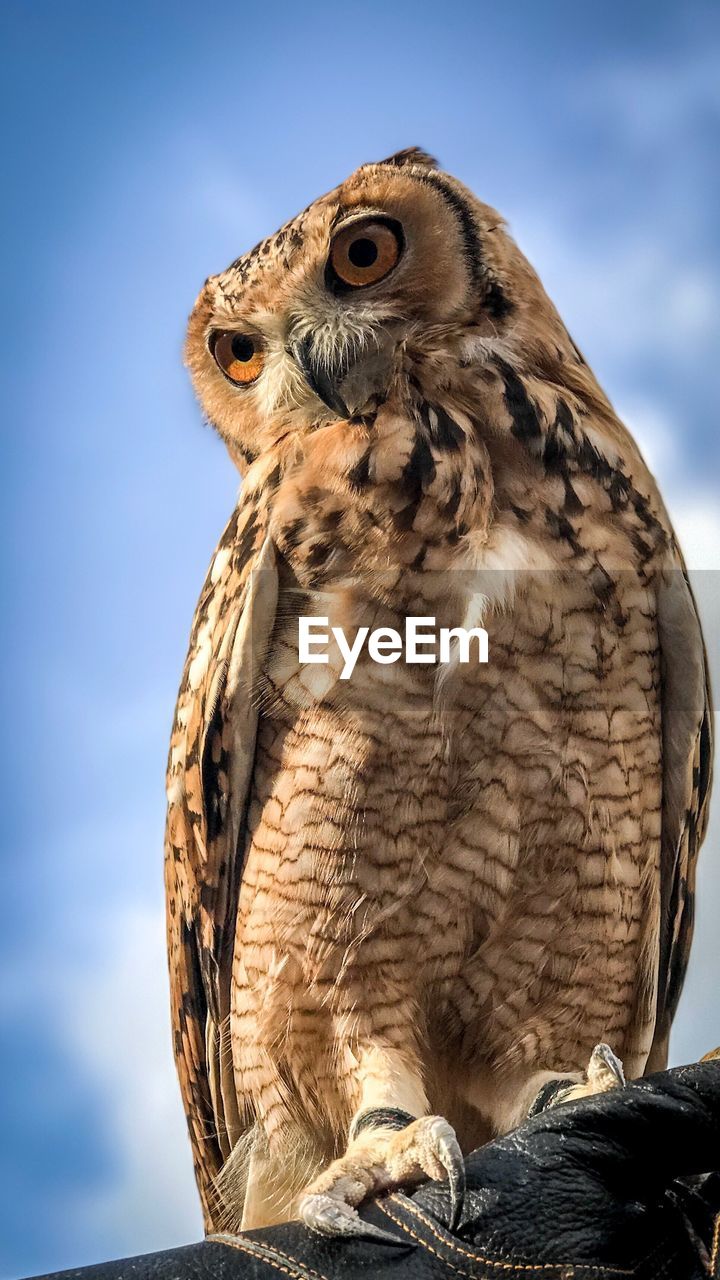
{"points": [[404, 904]]}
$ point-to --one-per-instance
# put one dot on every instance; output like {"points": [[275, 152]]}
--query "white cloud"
{"points": [[116, 1020], [695, 513], [655, 434], [646, 296], [697, 524]]}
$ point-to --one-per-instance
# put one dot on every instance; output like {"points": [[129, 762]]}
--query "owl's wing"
{"points": [[687, 727], [209, 772]]}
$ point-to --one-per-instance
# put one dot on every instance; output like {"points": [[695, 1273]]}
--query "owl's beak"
{"points": [[352, 379], [319, 377]]}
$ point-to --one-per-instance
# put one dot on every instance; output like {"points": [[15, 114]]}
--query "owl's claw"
{"points": [[603, 1073], [327, 1216], [382, 1159], [605, 1070], [451, 1158]]}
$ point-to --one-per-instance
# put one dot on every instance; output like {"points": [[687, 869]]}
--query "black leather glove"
{"points": [[624, 1184]]}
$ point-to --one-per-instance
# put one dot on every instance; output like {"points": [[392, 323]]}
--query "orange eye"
{"points": [[365, 252], [239, 355]]}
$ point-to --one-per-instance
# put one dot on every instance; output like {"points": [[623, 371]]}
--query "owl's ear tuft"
{"points": [[412, 155]]}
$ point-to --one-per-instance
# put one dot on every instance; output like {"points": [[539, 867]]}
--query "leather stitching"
{"points": [[565, 1269], [269, 1253], [297, 1270]]}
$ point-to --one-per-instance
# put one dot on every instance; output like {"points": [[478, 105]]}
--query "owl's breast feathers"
{"points": [[498, 458]]}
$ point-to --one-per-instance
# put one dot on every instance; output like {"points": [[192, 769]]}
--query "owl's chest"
{"points": [[412, 792], [392, 792]]}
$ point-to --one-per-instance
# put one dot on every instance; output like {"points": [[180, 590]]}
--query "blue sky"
{"points": [[145, 146]]}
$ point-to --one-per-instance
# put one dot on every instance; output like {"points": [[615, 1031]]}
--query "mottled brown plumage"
{"points": [[428, 888]]}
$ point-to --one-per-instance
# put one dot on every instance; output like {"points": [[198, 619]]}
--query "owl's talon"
{"points": [[605, 1070], [384, 1159], [451, 1158], [327, 1216]]}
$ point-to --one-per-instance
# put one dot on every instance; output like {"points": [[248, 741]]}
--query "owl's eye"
{"points": [[239, 355], [365, 252]]}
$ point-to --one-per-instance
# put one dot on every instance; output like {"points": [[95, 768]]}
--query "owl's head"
{"points": [[397, 271]]}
